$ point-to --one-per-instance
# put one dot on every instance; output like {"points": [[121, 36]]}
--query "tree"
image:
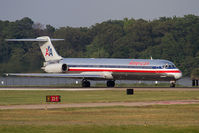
{"points": [[50, 30], [195, 74], [172, 38]]}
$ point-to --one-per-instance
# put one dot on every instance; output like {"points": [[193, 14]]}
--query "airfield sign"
{"points": [[54, 98]]}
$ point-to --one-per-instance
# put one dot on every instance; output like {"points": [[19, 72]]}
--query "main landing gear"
{"points": [[85, 83], [172, 84], [110, 83]]}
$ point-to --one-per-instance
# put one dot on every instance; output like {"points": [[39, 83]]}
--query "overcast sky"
{"points": [[80, 13]]}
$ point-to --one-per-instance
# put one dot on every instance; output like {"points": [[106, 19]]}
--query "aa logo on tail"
{"points": [[49, 51]]}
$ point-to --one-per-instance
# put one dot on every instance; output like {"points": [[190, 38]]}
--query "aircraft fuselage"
{"points": [[125, 69]]}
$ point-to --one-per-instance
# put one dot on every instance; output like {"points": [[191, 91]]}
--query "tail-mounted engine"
{"points": [[64, 67], [56, 68]]}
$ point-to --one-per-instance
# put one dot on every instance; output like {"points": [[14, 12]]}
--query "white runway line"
{"points": [[98, 89], [60, 89]]}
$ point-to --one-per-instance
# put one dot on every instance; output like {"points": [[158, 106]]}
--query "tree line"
{"points": [[172, 38]]}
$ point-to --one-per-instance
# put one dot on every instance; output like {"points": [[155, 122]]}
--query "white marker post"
{"points": [[156, 83]]}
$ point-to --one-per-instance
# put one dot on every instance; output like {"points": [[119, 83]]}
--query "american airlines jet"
{"points": [[109, 69]]}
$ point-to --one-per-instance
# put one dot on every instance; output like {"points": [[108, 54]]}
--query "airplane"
{"points": [[109, 69]]}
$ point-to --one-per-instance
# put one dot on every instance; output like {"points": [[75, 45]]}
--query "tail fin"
{"points": [[46, 47]]}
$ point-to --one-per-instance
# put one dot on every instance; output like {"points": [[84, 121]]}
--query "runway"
{"points": [[60, 89], [94, 89], [111, 104]]}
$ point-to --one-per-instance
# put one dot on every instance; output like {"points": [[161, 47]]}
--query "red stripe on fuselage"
{"points": [[135, 71]]}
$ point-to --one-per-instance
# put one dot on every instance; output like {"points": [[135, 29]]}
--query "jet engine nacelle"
{"points": [[56, 68]]}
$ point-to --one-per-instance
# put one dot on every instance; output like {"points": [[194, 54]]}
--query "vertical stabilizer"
{"points": [[48, 49]]}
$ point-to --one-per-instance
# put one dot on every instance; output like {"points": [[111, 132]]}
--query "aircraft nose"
{"points": [[178, 75]]}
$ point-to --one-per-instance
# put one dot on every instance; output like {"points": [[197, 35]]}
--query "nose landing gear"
{"points": [[172, 84]]}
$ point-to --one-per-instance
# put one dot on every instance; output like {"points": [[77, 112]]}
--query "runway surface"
{"points": [[77, 105], [96, 89]]}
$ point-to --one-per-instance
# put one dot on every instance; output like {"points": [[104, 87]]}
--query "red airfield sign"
{"points": [[55, 98]]}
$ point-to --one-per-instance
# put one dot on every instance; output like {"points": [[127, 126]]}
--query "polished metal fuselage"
{"points": [[125, 69]]}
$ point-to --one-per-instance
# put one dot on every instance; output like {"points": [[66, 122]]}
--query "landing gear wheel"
{"points": [[85, 83], [110, 83], [172, 84]]}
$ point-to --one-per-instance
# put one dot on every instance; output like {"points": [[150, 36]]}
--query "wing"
{"points": [[81, 75]]}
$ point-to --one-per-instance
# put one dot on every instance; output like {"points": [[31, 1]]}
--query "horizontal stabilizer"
{"points": [[45, 45], [33, 40]]}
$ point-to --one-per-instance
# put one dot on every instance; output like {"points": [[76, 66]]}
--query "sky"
{"points": [[85, 13]]}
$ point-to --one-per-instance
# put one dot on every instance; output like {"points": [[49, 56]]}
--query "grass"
{"points": [[10, 97], [146, 119], [98, 129], [173, 118]]}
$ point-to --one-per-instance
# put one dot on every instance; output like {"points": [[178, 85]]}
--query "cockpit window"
{"points": [[167, 66]]}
